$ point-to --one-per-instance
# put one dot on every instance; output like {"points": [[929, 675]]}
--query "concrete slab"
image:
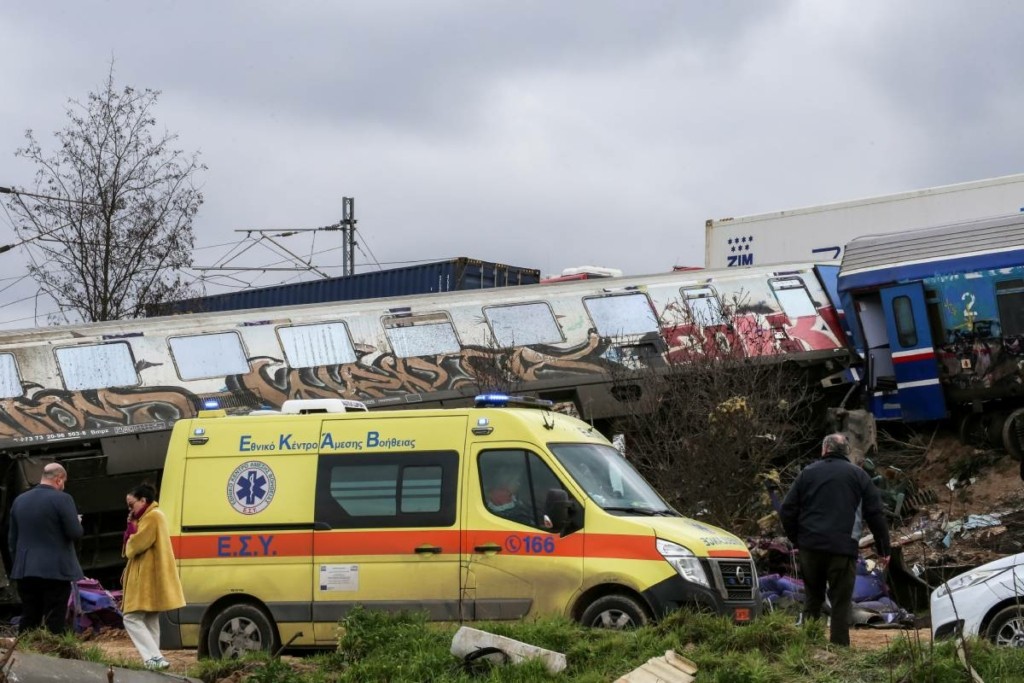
{"points": [[26, 667]]}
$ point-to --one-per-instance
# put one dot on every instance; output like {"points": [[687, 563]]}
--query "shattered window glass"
{"points": [[793, 297], [10, 382], [523, 324], [97, 366], [309, 346], [209, 355], [622, 315], [704, 306], [422, 336]]}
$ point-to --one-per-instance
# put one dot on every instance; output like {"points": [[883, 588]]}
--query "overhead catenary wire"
{"points": [[229, 278]]}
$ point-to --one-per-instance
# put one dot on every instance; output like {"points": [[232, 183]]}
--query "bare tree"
{"points": [[119, 228], [706, 428]]}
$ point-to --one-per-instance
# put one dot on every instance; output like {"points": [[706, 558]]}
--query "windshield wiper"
{"points": [[646, 512]]}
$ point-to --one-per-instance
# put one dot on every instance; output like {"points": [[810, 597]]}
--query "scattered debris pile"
{"points": [[977, 515], [951, 508]]}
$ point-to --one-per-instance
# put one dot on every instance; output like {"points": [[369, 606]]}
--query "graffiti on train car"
{"points": [[745, 330], [974, 353], [378, 376], [47, 414]]}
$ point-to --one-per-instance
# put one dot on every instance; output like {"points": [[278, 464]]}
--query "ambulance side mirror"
{"points": [[559, 509]]}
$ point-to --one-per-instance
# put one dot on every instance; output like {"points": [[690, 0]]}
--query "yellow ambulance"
{"points": [[283, 523]]}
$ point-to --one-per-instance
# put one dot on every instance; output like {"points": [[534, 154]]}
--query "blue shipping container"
{"points": [[442, 276]]}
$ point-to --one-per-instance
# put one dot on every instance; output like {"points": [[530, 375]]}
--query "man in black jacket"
{"points": [[44, 527], [823, 516]]}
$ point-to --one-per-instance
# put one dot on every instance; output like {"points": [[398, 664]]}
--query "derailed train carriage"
{"points": [[938, 315], [102, 397]]}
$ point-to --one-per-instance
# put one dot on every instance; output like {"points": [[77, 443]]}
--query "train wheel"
{"points": [[994, 423], [1013, 434], [970, 430]]}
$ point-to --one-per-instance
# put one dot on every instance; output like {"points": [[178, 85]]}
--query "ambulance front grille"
{"points": [[736, 579]]}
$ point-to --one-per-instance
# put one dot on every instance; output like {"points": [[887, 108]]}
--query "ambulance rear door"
{"points": [[247, 521]]}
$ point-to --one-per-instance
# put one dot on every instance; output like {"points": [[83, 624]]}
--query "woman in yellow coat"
{"points": [[150, 580]]}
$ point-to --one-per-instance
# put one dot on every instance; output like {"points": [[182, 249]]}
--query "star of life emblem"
{"points": [[251, 487]]}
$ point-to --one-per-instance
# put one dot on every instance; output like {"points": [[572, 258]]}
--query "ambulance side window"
{"points": [[388, 490], [514, 484]]}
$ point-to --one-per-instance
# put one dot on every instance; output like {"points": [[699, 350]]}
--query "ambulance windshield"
{"points": [[609, 480]]}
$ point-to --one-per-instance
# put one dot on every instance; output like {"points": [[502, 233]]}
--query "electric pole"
{"points": [[348, 235]]}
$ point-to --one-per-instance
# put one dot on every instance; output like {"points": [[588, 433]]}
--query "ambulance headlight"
{"points": [[683, 561]]}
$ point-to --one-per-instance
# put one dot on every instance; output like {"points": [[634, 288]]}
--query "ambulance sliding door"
{"points": [[386, 533]]}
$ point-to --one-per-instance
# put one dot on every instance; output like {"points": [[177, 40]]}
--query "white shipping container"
{"points": [[819, 233]]}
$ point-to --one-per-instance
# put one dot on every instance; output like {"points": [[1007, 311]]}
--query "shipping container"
{"points": [[458, 274], [819, 233]]}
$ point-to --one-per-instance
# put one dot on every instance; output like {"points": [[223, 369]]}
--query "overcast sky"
{"points": [[540, 134]]}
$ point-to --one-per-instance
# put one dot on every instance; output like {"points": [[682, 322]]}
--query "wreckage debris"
{"points": [[471, 644], [670, 668], [873, 602]]}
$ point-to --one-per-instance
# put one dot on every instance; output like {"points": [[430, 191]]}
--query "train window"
{"points": [[622, 315], [705, 308], [209, 355], [424, 335], [10, 380], [97, 366], [793, 296], [1010, 300], [523, 324], [906, 329], [307, 346]]}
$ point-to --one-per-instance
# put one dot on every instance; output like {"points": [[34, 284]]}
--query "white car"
{"points": [[987, 602]]}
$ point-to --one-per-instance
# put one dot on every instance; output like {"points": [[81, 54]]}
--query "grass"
{"points": [[405, 647]]}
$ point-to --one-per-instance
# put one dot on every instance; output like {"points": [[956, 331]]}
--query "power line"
{"points": [[21, 193]]}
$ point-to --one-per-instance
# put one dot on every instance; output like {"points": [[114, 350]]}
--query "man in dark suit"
{"points": [[44, 527]]}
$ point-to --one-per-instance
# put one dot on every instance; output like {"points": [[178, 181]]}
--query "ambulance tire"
{"points": [[240, 629], [619, 612]]}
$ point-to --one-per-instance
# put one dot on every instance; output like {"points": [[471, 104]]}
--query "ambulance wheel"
{"points": [[240, 629], [617, 612], [1007, 627]]}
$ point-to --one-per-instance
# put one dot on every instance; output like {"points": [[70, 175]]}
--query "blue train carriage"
{"points": [[938, 317]]}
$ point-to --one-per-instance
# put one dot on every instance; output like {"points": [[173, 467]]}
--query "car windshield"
{"points": [[609, 480]]}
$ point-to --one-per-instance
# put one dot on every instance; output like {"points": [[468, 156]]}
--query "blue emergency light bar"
{"points": [[506, 401], [211, 404]]}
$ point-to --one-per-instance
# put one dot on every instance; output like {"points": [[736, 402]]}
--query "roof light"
{"points": [[321, 405], [506, 401], [211, 404], [491, 401]]}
